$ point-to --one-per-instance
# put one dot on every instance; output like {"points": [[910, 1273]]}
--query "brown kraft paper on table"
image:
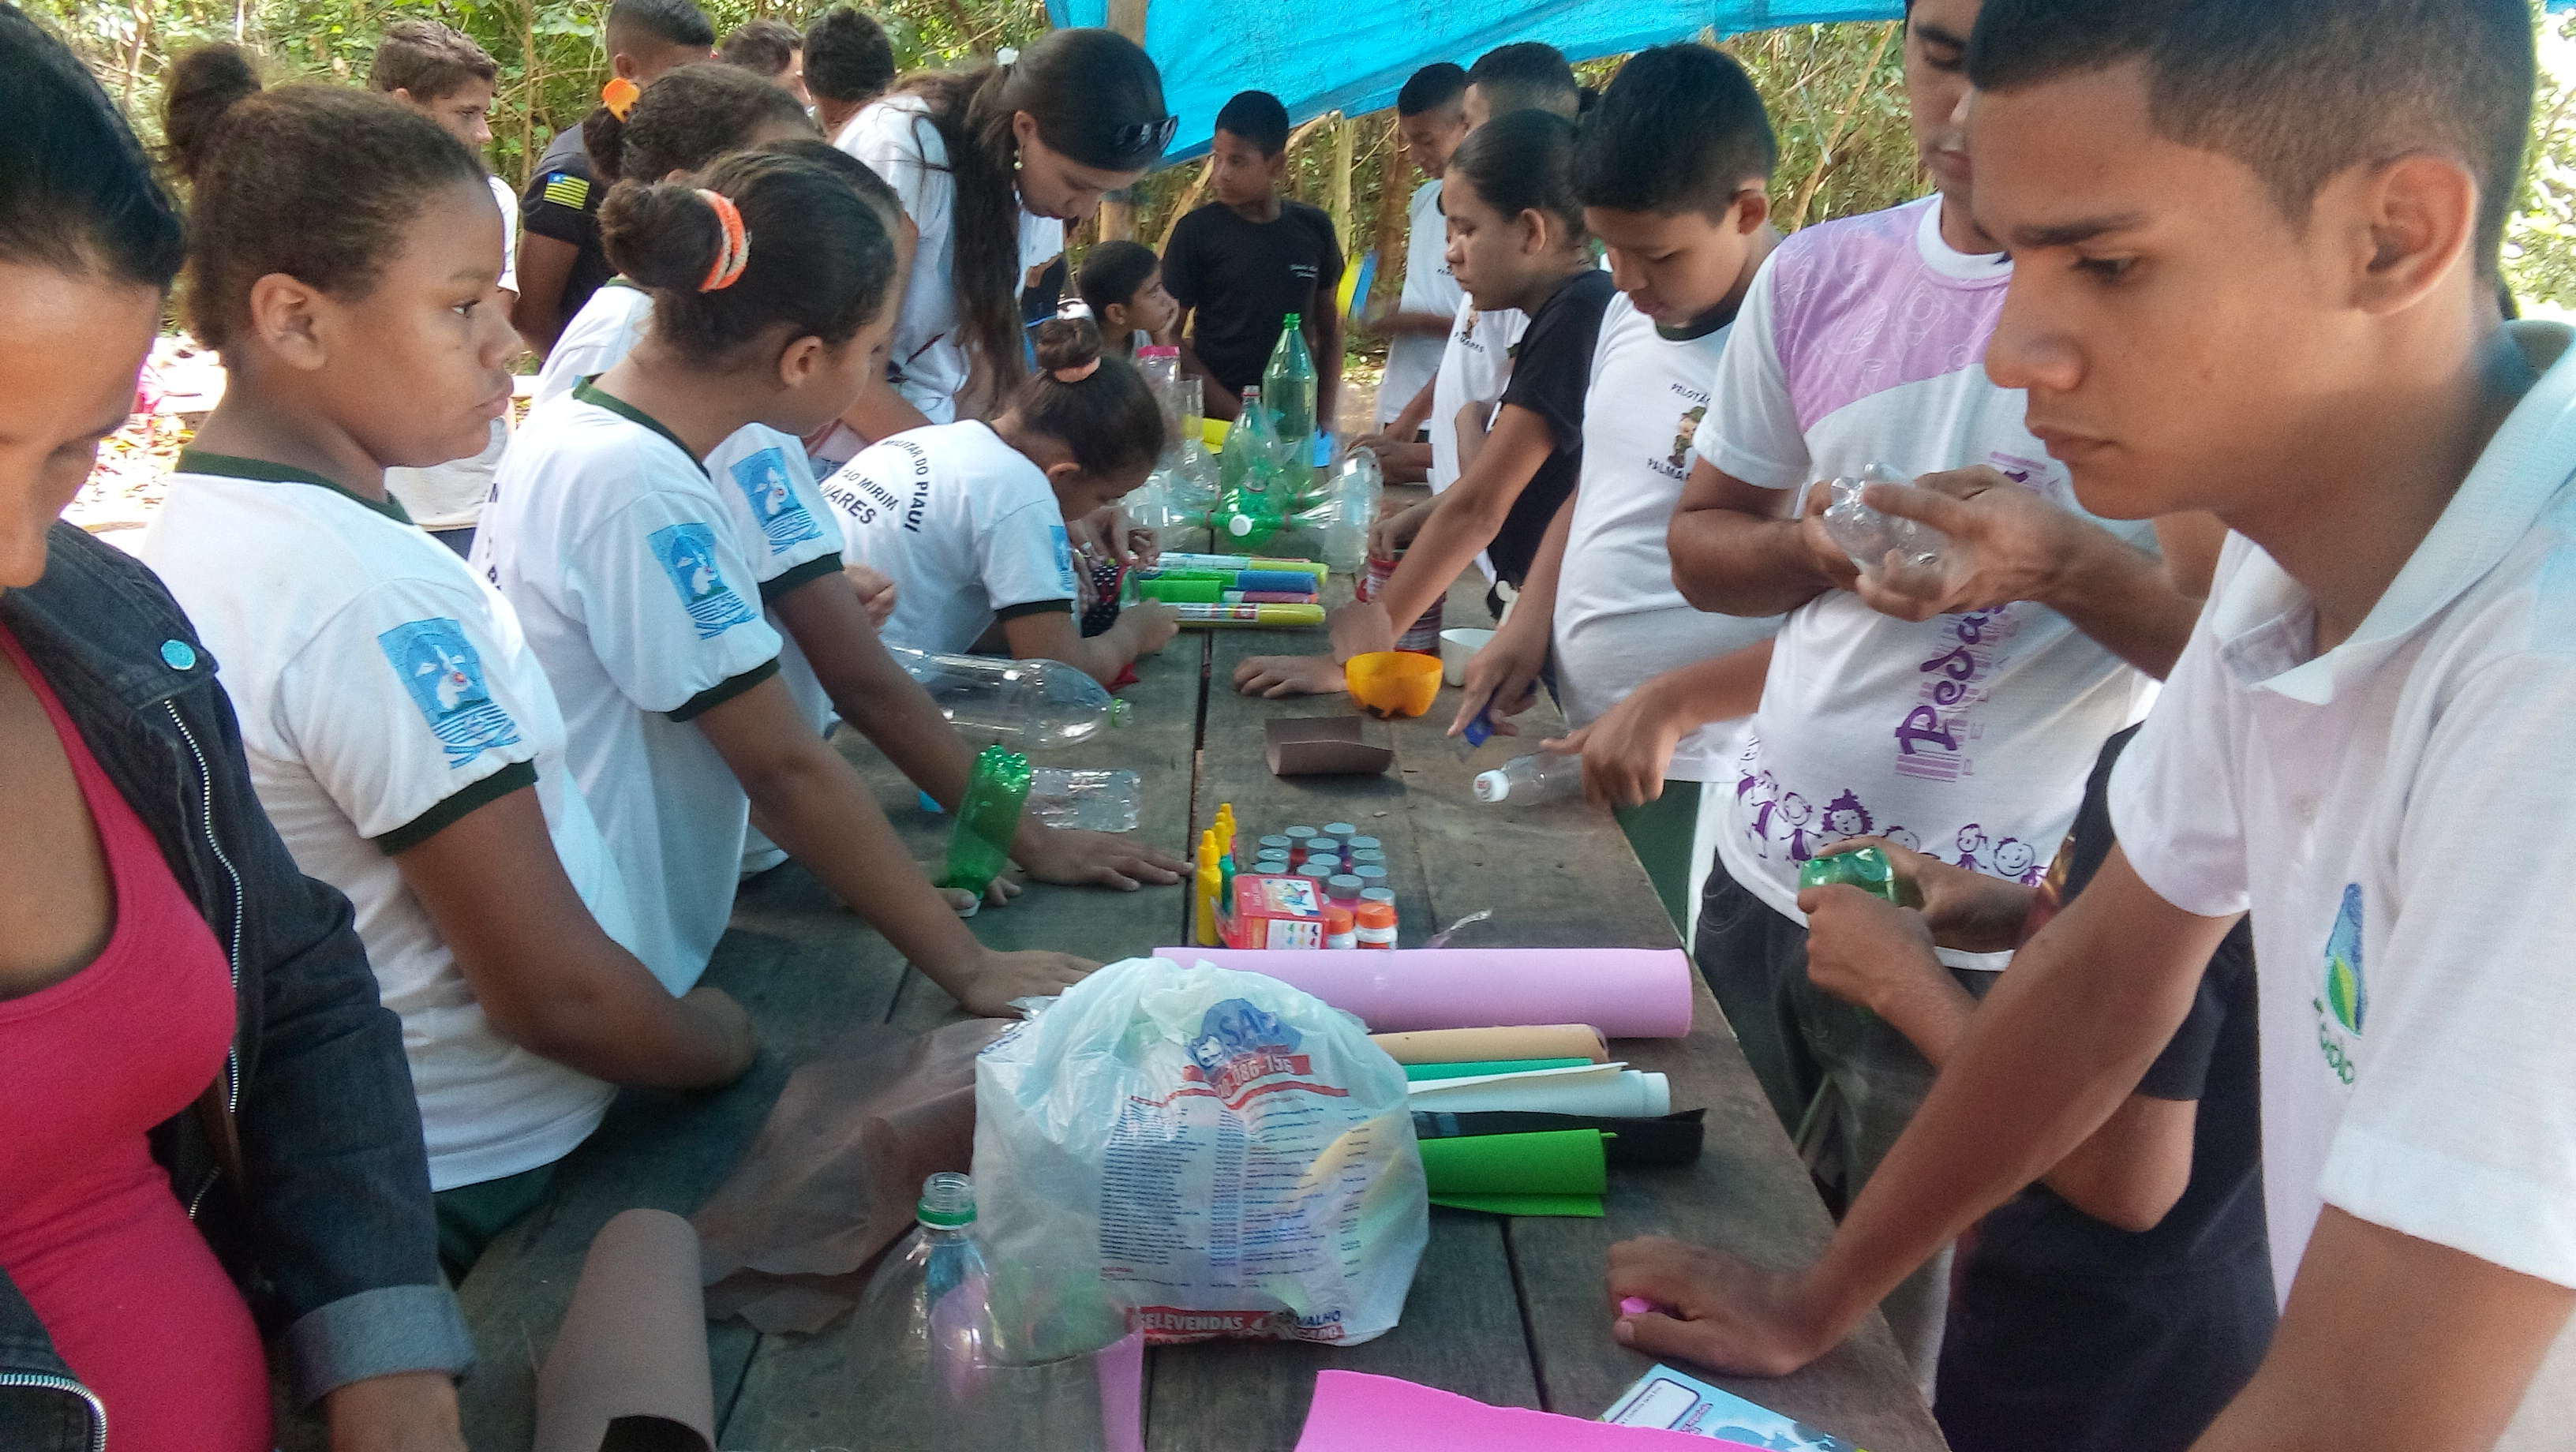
{"points": [[1479, 1045], [836, 1172], [628, 1372], [1323, 746]]}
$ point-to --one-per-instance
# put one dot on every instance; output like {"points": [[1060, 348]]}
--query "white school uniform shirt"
{"points": [[781, 523], [1619, 618], [896, 138], [597, 339], [1475, 364], [967, 527], [1968, 736], [1429, 287], [384, 692], [2417, 992], [451, 495], [623, 559]]}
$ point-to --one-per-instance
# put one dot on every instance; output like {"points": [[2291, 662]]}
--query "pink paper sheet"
{"points": [[1355, 1412], [1627, 993]]}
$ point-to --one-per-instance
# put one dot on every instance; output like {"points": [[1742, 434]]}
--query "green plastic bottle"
{"points": [[979, 847], [1289, 384]]}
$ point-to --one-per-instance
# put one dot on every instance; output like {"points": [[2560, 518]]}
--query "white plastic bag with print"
{"points": [[1195, 1153]]}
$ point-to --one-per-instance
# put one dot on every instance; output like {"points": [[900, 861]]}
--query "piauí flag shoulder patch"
{"points": [[566, 190]]}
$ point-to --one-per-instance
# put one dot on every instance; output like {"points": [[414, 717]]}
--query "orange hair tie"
{"points": [[1077, 372], [619, 96], [735, 255]]}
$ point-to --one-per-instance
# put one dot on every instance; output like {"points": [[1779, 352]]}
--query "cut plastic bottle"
{"points": [[1253, 504], [1029, 706], [1532, 780], [1869, 536], [937, 1262]]}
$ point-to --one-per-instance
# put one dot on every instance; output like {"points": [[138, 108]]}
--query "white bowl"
{"points": [[1456, 648]]}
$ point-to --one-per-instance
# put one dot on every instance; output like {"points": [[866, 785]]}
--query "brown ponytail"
{"points": [[1094, 403]]}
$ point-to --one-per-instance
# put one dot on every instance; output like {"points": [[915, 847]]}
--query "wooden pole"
{"points": [[1118, 209], [1394, 204], [1345, 142], [528, 99]]}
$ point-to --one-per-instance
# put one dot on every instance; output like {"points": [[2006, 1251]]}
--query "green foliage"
{"points": [[2540, 241]]}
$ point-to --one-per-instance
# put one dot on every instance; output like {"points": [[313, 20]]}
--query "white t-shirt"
{"points": [[966, 526], [1619, 618], [1475, 364], [384, 692], [896, 138], [2389, 811], [597, 339], [1969, 736], [451, 495], [1429, 287], [624, 561]]}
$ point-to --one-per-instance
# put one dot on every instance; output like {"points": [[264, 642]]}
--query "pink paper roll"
{"points": [[1627, 993]]}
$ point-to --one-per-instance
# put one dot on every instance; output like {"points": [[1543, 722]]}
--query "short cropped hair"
{"points": [[2298, 90], [1436, 87], [763, 47], [1111, 273], [1680, 130], [1528, 75], [672, 22], [847, 56], [428, 60], [1257, 117]]}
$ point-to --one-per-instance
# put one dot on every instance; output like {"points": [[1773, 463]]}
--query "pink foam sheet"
{"points": [[1355, 1412], [1627, 993]]}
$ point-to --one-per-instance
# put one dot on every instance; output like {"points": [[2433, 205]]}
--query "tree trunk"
{"points": [[1345, 139]]}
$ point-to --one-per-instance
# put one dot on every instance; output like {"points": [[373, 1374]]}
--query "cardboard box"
{"points": [[1275, 912]]}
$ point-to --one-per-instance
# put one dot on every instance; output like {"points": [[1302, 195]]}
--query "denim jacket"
{"points": [[302, 1164]]}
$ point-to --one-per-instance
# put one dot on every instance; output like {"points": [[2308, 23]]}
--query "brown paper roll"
{"points": [[628, 1372], [1322, 746], [1480, 1045]]}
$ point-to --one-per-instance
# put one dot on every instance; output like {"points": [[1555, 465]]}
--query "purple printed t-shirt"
{"points": [[1967, 736]]}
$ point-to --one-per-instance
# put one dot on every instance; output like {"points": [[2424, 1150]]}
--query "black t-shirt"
{"points": [[562, 202], [1551, 373], [2071, 1335], [1244, 278]]}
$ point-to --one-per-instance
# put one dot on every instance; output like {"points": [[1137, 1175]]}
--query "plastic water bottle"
{"points": [[1289, 383], [1358, 485], [1028, 706], [1869, 535], [1253, 503], [1533, 780], [937, 1262]]}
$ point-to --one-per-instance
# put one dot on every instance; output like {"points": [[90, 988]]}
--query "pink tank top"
{"points": [[90, 1232]]}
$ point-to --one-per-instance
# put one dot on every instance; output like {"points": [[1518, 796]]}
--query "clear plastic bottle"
{"points": [[1869, 535], [1289, 383], [918, 1291], [1358, 486], [1029, 706], [1252, 505], [1533, 780]]}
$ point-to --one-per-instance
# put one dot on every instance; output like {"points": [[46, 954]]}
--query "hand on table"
{"points": [[1717, 1311], [1963, 908], [1095, 859], [1275, 676], [875, 588], [1150, 624], [1002, 977], [411, 1411], [2006, 543]]}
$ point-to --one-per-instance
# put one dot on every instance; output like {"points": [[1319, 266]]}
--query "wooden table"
{"points": [[1509, 1311]]}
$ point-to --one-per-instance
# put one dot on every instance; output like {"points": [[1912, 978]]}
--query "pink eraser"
{"points": [[1636, 1306]]}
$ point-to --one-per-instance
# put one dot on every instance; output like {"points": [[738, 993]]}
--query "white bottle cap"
{"points": [[1492, 786]]}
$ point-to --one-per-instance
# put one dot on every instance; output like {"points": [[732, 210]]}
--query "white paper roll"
{"points": [[1605, 1089]]}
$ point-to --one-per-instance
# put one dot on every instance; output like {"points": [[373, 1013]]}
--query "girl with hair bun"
{"points": [[199, 1076], [991, 163], [969, 518], [607, 530], [401, 733]]}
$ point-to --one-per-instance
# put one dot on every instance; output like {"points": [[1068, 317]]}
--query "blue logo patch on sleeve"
{"points": [[687, 553], [444, 675], [762, 478], [1064, 558]]}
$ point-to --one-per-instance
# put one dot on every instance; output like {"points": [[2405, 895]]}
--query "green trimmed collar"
{"points": [[629, 412], [231, 466]]}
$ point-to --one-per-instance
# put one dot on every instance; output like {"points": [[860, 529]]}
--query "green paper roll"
{"points": [[1556, 1162], [1416, 1073], [1585, 1206]]}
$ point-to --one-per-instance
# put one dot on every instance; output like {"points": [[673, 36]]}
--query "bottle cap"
{"points": [[1370, 875], [1493, 786], [1317, 871], [947, 1201], [1370, 857], [1339, 829], [1362, 844], [1378, 894], [1151, 351], [1344, 887], [1318, 846], [1375, 915], [1298, 834], [1339, 920], [1275, 843]]}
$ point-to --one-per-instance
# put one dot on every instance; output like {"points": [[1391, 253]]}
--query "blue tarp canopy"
{"points": [[1352, 56]]}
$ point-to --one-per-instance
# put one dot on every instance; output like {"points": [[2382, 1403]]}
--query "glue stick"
{"points": [[1210, 881]]}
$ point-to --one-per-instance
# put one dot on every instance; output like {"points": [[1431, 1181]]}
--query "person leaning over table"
{"points": [[211, 1132]]}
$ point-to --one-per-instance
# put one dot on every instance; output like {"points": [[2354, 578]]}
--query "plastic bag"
{"points": [[1198, 1153]]}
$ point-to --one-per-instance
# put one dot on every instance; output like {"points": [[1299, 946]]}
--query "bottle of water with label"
{"points": [[1027, 706]]}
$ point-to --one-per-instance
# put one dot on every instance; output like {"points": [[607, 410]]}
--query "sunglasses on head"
{"points": [[1144, 137]]}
